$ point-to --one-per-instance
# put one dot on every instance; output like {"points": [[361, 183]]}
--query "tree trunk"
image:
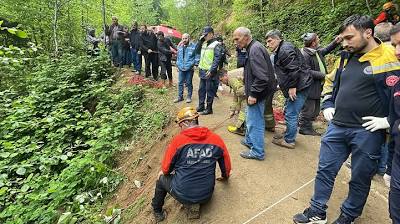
{"points": [[104, 21], [56, 4], [369, 8]]}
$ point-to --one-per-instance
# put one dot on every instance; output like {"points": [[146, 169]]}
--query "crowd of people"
{"points": [[360, 100]]}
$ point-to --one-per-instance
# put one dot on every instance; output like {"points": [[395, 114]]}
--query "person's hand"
{"points": [[375, 123], [292, 94], [328, 113], [231, 114], [208, 74], [139, 52], [251, 100], [149, 51], [160, 174], [338, 39]]}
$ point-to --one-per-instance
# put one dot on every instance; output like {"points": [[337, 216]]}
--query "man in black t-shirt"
{"points": [[357, 103]]}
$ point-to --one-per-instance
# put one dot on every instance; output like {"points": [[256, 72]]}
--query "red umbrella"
{"points": [[169, 31]]}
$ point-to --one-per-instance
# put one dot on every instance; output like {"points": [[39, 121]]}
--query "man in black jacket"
{"points": [[259, 81], [294, 81], [314, 58], [149, 51], [135, 40], [164, 55]]}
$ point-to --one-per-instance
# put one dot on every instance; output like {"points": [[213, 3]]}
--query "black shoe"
{"points": [[200, 109], [159, 216], [310, 217], [343, 219], [206, 112], [309, 132]]}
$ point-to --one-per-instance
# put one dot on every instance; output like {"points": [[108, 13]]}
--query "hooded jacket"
{"points": [[192, 156]]}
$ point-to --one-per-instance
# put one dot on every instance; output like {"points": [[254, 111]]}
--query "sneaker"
{"points": [[243, 142], [159, 216], [310, 217], [206, 112], [282, 142], [247, 155], [343, 219], [178, 100], [188, 100]]}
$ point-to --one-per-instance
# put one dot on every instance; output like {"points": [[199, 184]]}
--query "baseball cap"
{"points": [[208, 29]]}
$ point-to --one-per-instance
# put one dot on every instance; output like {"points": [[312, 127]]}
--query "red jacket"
{"points": [[192, 155]]}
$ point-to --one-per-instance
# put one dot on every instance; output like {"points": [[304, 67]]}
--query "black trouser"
{"points": [[151, 58], [163, 186], [394, 195], [166, 68], [308, 114]]}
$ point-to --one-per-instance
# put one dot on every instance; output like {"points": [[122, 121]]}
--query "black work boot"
{"points": [[208, 110], [200, 108], [308, 131], [159, 216]]}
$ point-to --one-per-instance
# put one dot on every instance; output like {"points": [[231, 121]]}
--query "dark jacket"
{"points": [[193, 155], [118, 30], [259, 79], [164, 49], [290, 68], [310, 58], [134, 38], [148, 41]]}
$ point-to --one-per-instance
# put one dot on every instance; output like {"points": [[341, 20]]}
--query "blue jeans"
{"points": [[206, 90], [255, 128], [136, 60], [383, 160], [336, 146], [185, 77], [394, 194], [116, 52], [292, 112]]}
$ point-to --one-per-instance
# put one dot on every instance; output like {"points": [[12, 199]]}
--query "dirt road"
{"points": [[269, 191]]}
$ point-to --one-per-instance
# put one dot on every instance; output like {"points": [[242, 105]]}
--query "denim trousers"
{"points": [[206, 90], [136, 60], [255, 128], [185, 78], [384, 158], [336, 146], [394, 194], [116, 52], [292, 112]]}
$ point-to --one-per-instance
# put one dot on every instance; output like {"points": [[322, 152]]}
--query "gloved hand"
{"points": [[387, 179], [375, 123], [328, 113]]}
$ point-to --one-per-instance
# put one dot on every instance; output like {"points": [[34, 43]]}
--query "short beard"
{"points": [[356, 50]]}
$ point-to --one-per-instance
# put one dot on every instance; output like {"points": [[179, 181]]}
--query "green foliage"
{"points": [[58, 141], [294, 18]]}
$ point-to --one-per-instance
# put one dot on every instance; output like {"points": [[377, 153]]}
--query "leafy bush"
{"points": [[57, 142]]}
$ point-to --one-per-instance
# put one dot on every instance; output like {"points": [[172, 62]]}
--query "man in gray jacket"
{"points": [[259, 81]]}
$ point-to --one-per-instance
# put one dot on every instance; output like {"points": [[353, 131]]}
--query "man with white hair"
{"points": [[259, 81]]}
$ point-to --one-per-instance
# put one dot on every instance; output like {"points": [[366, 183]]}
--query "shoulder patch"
{"points": [[392, 80]]}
